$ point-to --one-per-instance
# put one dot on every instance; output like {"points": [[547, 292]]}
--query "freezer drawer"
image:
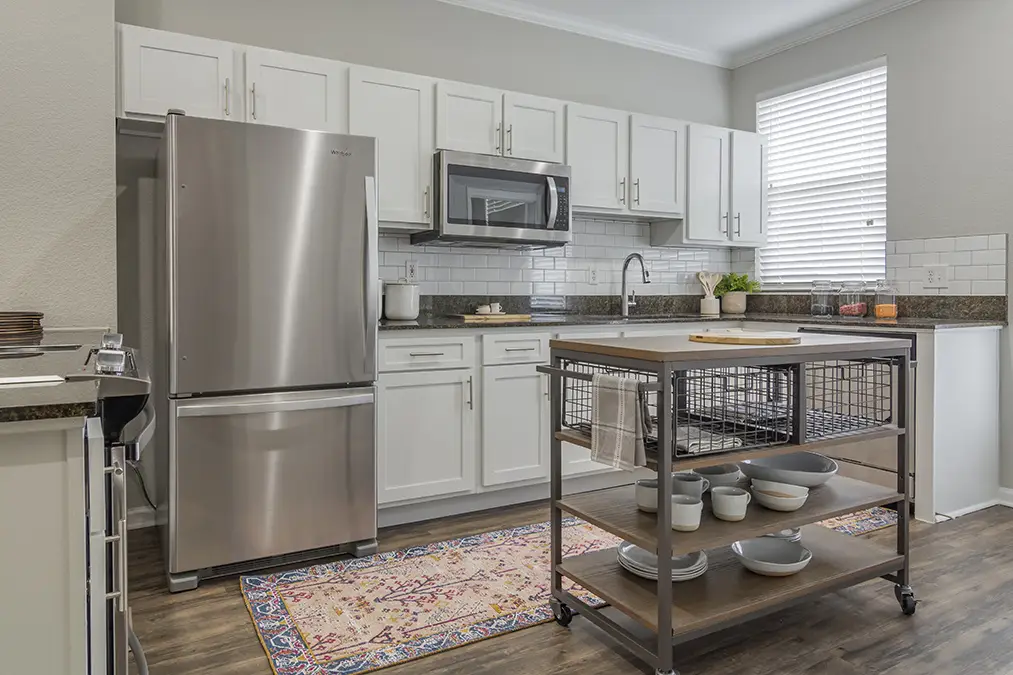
{"points": [[270, 474]]}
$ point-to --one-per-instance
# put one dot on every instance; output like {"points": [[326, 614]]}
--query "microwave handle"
{"points": [[553, 202]]}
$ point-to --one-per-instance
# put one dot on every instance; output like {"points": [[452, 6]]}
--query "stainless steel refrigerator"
{"points": [[266, 319]]}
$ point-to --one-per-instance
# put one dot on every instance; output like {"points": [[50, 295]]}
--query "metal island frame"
{"points": [[749, 402]]}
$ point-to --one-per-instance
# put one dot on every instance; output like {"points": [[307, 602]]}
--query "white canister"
{"points": [[402, 303]]}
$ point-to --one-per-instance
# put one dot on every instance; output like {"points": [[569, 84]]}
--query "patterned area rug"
{"points": [[355, 616]]}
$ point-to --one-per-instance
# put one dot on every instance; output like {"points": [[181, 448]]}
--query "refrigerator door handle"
{"points": [[360, 397], [372, 274]]}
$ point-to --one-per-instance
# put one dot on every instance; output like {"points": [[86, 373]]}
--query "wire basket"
{"points": [[848, 396]]}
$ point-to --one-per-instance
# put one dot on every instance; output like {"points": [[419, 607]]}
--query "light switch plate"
{"points": [[411, 271], [936, 276], [592, 276]]}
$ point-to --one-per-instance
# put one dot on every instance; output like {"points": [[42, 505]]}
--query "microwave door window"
{"points": [[496, 198]]}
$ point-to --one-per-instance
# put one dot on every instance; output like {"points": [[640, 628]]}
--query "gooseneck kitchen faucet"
{"points": [[630, 300]]}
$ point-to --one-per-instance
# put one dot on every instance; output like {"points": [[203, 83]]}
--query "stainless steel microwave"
{"points": [[484, 200]]}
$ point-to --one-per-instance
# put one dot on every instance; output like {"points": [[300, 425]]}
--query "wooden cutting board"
{"points": [[491, 318], [746, 338]]}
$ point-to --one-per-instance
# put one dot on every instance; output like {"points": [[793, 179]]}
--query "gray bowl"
{"points": [[807, 469], [772, 557]]}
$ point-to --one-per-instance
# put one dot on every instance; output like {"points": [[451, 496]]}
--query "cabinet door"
{"points": [[469, 118], [598, 151], [749, 188], [160, 70], [534, 127], [425, 434], [658, 164], [397, 109], [515, 424], [707, 216], [292, 90]]}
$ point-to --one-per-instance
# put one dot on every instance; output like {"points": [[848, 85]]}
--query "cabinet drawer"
{"points": [[426, 354], [515, 348]]}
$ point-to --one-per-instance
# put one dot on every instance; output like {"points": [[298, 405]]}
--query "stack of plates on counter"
{"points": [[643, 563], [20, 328]]}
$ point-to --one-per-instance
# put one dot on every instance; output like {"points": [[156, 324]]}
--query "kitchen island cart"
{"points": [[715, 404]]}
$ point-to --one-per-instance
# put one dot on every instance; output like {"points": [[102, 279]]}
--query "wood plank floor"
{"points": [[961, 575]]}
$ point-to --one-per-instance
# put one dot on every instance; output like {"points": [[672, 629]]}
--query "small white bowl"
{"points": [[779, 503], [721, 474], [780, 489], [647, 495], [772, 557]]}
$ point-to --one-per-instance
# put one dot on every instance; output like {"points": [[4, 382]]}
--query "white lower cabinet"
{"points": [[425, 434], [515, 424]]}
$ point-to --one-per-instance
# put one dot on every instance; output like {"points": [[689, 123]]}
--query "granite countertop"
{"points": [[49, 401], [912, 323]]}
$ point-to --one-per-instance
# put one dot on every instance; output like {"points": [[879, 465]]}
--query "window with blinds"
{"points": [[826, 175]]}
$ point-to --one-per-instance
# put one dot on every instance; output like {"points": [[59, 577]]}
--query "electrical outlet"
{"points": [[411, 271], [936, 276], [592, 276]]}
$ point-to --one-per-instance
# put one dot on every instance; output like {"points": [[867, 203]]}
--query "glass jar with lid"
{"points": [[851, 299], [886, 300], [821, 298]]}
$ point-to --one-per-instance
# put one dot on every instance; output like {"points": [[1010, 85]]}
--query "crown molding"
{"points": [[829, 26], [594, 29]]}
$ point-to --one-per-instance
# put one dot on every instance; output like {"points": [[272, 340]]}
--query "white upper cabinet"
{"points": [[658, 164], [469, 118], [749, 189], [292, 90], [707, 213], [160, 70], [397, 109], [598, 152], [533, 127]]}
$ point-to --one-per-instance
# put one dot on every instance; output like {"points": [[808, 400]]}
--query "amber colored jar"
{"points": [[886, 300]]}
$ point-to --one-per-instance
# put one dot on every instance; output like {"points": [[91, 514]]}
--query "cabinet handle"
{"points": [[622, 184], [738, 224], [425, 198], [510, 139], [253, 104], [425, 353], [227, 97], [636, 184], [519, 349], [724, 231], [471, 393], [499, 138], [547, 387]]}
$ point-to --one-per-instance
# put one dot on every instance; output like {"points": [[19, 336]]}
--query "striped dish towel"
{"points": [[620, 422]]}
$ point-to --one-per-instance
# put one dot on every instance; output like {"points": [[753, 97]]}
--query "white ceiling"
{"points": [[728, 33]]}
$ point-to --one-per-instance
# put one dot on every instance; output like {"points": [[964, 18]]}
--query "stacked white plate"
{"points": [[643, 563]]}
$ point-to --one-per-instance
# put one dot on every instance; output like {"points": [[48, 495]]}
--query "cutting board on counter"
{"points": [[491, 318], [742, 337]]}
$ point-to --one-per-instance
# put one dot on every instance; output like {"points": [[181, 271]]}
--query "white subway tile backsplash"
{"points": [[437, 274], [988, 287], [911, 246], [594, 227], [451, 288], [615, 228], [545, 263], [476, 288], [976, 243], [997, 241], [970, 272], [990, 257], [487, 275], [891, 247], [943, 245], [523, 263], [520, 288], [899, 260], [997, 272], [923, 259], [958, 258], [499, 287], [462, 274], [532, 275], [956, 287], [510, 275]]}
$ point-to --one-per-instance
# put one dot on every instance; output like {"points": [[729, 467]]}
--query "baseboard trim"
{"points": [[974, 507], [139, 517], [1006, 497]]}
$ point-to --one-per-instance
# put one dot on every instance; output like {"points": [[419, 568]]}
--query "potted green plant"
{"points": [[732, 290]]}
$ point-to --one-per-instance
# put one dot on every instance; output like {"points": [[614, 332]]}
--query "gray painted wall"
{"points": [[57, 194], [440, 40], [950, 166]]}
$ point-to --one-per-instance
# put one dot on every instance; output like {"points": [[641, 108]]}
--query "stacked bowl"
{"points": [[644, 564]]}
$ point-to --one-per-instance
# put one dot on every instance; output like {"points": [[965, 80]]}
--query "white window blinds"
{"points": [[827, 182]]}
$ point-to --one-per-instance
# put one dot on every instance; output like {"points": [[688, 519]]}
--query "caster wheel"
{"points": [[563, 614], [906, 598], [665, 672]]}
